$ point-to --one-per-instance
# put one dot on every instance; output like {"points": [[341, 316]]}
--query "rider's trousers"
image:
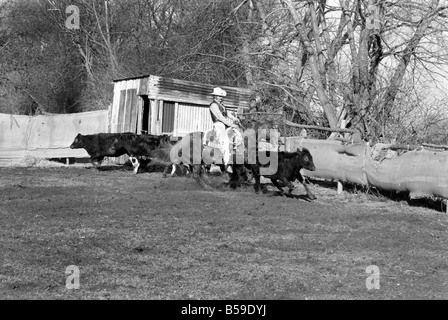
{"points": [[223, 140]]}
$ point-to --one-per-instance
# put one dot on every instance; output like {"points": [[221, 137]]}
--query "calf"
{"points": [[289, 166], [161, 156], [100, 145], [140, 148]]}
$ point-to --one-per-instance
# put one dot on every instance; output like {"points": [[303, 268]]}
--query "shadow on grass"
{"points": [[286, 195], [113, 168]]}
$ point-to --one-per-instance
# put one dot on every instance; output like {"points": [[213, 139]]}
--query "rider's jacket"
{"points": [[219, 113]]}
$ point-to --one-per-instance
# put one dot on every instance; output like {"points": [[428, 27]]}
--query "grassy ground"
{"points": [[145, 237]]}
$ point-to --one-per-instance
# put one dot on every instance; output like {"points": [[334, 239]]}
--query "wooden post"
{"points": [[287, 145], [140, 106], [109, 119], [340, 188], [284, 124], [176, 115]]}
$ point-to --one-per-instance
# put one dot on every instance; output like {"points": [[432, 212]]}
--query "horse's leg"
{"points": [[197, 170], [186, 169], [189, 169], [234, 181], [308, 191], [165, 171], [256, 174], [197, 175], [257, 183]]}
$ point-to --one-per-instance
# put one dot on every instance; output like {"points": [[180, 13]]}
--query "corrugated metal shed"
{"points": [[158, 105]]}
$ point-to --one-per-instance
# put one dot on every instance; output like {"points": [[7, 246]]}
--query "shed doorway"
{"points": [[146, 120]]}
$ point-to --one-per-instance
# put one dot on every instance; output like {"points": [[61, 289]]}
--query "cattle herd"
{"points": [[158, 150]]}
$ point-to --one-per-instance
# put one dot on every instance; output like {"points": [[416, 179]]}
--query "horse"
{"points": [[191, 152], [254, 134]]}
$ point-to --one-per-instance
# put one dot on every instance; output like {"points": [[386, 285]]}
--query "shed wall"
{"points": [[126, 107], [176, 107]]}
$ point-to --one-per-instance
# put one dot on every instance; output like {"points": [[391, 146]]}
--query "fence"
{"points": [[47, 136]]}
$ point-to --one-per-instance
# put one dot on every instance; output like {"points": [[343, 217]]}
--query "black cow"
{"points": [[288, 170], [102, 145]]}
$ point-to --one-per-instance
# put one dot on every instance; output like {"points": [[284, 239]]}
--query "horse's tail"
{"points": [[161, 155]]}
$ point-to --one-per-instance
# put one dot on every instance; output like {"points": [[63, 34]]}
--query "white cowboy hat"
{"points": [[219, 92]]}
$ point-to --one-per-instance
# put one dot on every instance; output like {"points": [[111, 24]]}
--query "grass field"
{"points": [[145, 237]]}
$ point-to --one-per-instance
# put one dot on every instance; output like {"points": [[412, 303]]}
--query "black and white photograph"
{"points": [[224, 155]]}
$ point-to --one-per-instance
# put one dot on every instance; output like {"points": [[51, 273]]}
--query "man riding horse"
{"points": [[222, 120]]}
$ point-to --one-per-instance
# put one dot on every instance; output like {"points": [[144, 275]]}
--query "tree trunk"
{"points": [[246, 49], [329, 109], [399, 73]]}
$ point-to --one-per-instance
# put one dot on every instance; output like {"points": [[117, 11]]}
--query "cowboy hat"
{"points": [[219, 92]]}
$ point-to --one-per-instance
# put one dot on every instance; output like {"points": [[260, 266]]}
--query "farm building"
{"points": [[158, 105]]}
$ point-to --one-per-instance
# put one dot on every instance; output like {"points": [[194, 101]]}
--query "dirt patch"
{"points": [[145, 237]]}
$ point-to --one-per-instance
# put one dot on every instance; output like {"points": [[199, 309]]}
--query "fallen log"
{"points": [[421, 172], [260, 113], [434, 146], [292, 124], [411, 147], [403, 147]]}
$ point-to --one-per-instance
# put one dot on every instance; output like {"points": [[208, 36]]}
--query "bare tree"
{"points": [[350, 57]]}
